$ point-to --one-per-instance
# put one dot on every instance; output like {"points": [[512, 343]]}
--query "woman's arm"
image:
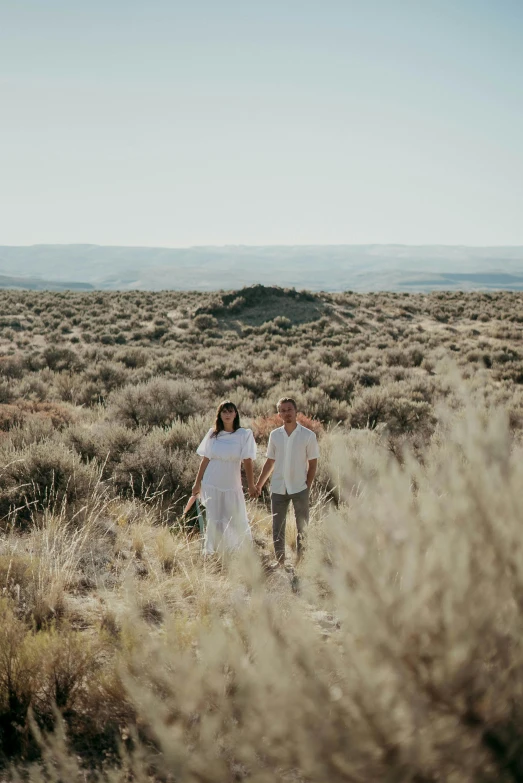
{"points": [[249, 472], [201, 470]]}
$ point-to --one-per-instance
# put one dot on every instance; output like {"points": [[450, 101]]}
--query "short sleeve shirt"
{"points": [[233, 446], [291, 454], [225, 453]]}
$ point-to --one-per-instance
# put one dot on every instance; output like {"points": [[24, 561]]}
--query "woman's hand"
{"points": [[196, 487], [253, 491]]}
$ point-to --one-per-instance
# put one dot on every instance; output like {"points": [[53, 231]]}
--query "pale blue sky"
{"points": [[267, 122]]}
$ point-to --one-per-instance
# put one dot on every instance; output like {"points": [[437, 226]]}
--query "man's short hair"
{"points": [[286, 399]]}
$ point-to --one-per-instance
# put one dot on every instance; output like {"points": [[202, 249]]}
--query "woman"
{"points": [[219, 480]]}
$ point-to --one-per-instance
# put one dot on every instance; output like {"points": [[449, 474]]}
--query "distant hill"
{"points": [[328, 268], [38, 284]]}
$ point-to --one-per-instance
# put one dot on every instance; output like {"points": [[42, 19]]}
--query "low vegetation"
{"points": [[392, 653]]}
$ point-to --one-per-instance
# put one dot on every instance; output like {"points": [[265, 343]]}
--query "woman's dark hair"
{"points": [[218, 424]]}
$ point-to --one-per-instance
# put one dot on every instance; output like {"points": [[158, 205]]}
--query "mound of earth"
{"points": [[256, 304]]}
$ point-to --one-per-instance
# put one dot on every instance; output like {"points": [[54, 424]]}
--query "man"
{"points": [[292, 453]]}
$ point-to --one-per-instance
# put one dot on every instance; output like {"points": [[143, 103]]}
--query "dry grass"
{"points": [[400, 658], [393, 652]]}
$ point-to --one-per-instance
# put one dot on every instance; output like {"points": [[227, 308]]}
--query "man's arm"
{"points": [[311, 472], [312, 452], [266, 472]]}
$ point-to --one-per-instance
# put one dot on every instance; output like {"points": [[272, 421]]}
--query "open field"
{"points": [[394, 653]]}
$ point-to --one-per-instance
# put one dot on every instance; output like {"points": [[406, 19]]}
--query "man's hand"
{"points": [[253, 492], [311, 472], [264, 475]]}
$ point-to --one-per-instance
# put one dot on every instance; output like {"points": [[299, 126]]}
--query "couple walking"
{"points": [[292, 458]]}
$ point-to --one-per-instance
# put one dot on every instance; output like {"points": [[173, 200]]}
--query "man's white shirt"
{"points": [[291, 454]]}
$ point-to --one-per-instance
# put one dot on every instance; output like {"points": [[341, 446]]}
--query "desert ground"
{"points": [[392, 652]]}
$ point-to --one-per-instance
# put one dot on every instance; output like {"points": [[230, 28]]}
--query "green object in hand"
{"points": [[201, 518]]}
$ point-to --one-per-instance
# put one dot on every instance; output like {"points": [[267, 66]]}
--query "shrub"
{"points": [[237, 304], [151, 469], [262, 426], [368, 379], [338, 385], [10, 416], [7, 392], [282, 322], [107, 376], [406, 415], [20, 674], [512, 371], [257, 383], [369, 409], [42, 671], [416, 357], [403, 407], [186, 435], [398, 358], [11, 366], [69, 661], [205, 321], [158, 402], [36, 387], [307, 372], [59, 359], [278, 325], [21, 412], [105, 442], [33, 430], [16, 572], [43, 476], [320, 406]]}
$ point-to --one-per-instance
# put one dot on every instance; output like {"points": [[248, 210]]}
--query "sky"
{"points": [[261, 122]]}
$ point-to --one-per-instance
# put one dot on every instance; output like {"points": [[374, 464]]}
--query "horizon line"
{"points": [[273, 245]]}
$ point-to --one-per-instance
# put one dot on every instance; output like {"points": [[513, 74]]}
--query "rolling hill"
{"points": [[329, 268]]}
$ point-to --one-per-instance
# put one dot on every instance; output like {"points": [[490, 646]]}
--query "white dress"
{"points": [[221, 492]]}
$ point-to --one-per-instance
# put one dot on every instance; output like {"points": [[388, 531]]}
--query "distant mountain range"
{"points": [[322, 267], [40, 284]]}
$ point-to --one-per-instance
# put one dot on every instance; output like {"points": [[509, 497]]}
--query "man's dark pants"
{"points": [[279, 507]]}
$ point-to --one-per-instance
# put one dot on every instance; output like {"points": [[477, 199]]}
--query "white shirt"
{"points": [[225, 452], [291, 454]]}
